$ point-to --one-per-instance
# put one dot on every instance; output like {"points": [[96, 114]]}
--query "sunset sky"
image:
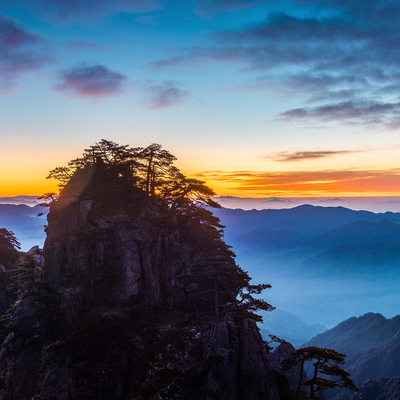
{"points": [[258, 98]]}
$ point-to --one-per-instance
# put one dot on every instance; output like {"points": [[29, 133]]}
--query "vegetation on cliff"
{"points": [[150, 169], [134, 173], [327, 372], [140, 297], [9, 247]]}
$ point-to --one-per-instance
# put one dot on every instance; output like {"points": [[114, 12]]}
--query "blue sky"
{"points": [[304, 91]]}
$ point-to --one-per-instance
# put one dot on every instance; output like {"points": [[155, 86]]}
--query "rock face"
{"points": [[239, 368], [85, 235], [282, 352], [112, 319]]}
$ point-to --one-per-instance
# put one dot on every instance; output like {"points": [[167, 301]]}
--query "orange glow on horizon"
{"points": [[259, 184], [12, 189], [351, 183], [243, 172]]}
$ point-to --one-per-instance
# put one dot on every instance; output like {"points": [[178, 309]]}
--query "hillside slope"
{"points": [[358, 334]]}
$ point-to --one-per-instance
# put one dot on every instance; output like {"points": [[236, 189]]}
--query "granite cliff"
{"points": [[138, 301]]}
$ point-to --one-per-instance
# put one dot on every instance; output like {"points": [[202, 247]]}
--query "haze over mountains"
{"points": [[325, 264], [375, 204], [289, 327], [27, 200], [24, 222]]}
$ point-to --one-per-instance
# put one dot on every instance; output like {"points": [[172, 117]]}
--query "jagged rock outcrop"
{"points": [[282, 352], [37, 255], [84, 234], [113, 317], [239, 367]]}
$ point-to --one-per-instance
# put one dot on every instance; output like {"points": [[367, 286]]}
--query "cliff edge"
{"points": [[138, 301]]}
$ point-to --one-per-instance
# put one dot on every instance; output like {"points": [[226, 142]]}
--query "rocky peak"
{"points": [[122, 312]]}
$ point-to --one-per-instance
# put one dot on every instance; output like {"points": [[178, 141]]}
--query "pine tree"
{"points": [[9, 248], [327, 372], [218, 285]]}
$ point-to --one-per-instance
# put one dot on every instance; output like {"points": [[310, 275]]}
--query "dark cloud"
{"points": [[336, 200], [212, 7], [280, 40], [368, 11], [77, 45], [175, 61], [342, 55], [308, 155], [20, 52], [372, 114], [166, 94], [91, 81], [81, 9]]}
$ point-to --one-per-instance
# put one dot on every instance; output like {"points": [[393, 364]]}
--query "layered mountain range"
{"points": [[289, 327], [306, 232], [25, 223], [325, 264]]}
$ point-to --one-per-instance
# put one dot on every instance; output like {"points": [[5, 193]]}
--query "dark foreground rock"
{"points": [[125, 309]]}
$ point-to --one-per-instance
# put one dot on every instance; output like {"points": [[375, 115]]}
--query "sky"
{"points": [[273, 98]]}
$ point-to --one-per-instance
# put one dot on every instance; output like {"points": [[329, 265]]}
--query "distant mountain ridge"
{"points": [[306, 220], [320, 258], [358, 334], [374, 204], [288, 326], [355, 248], [27, 200], [359, 231], [358, 259]]}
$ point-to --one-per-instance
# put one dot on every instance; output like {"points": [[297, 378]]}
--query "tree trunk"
{"points": [[149, 168], [312, 383], [153, 184], [300, 377]]}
